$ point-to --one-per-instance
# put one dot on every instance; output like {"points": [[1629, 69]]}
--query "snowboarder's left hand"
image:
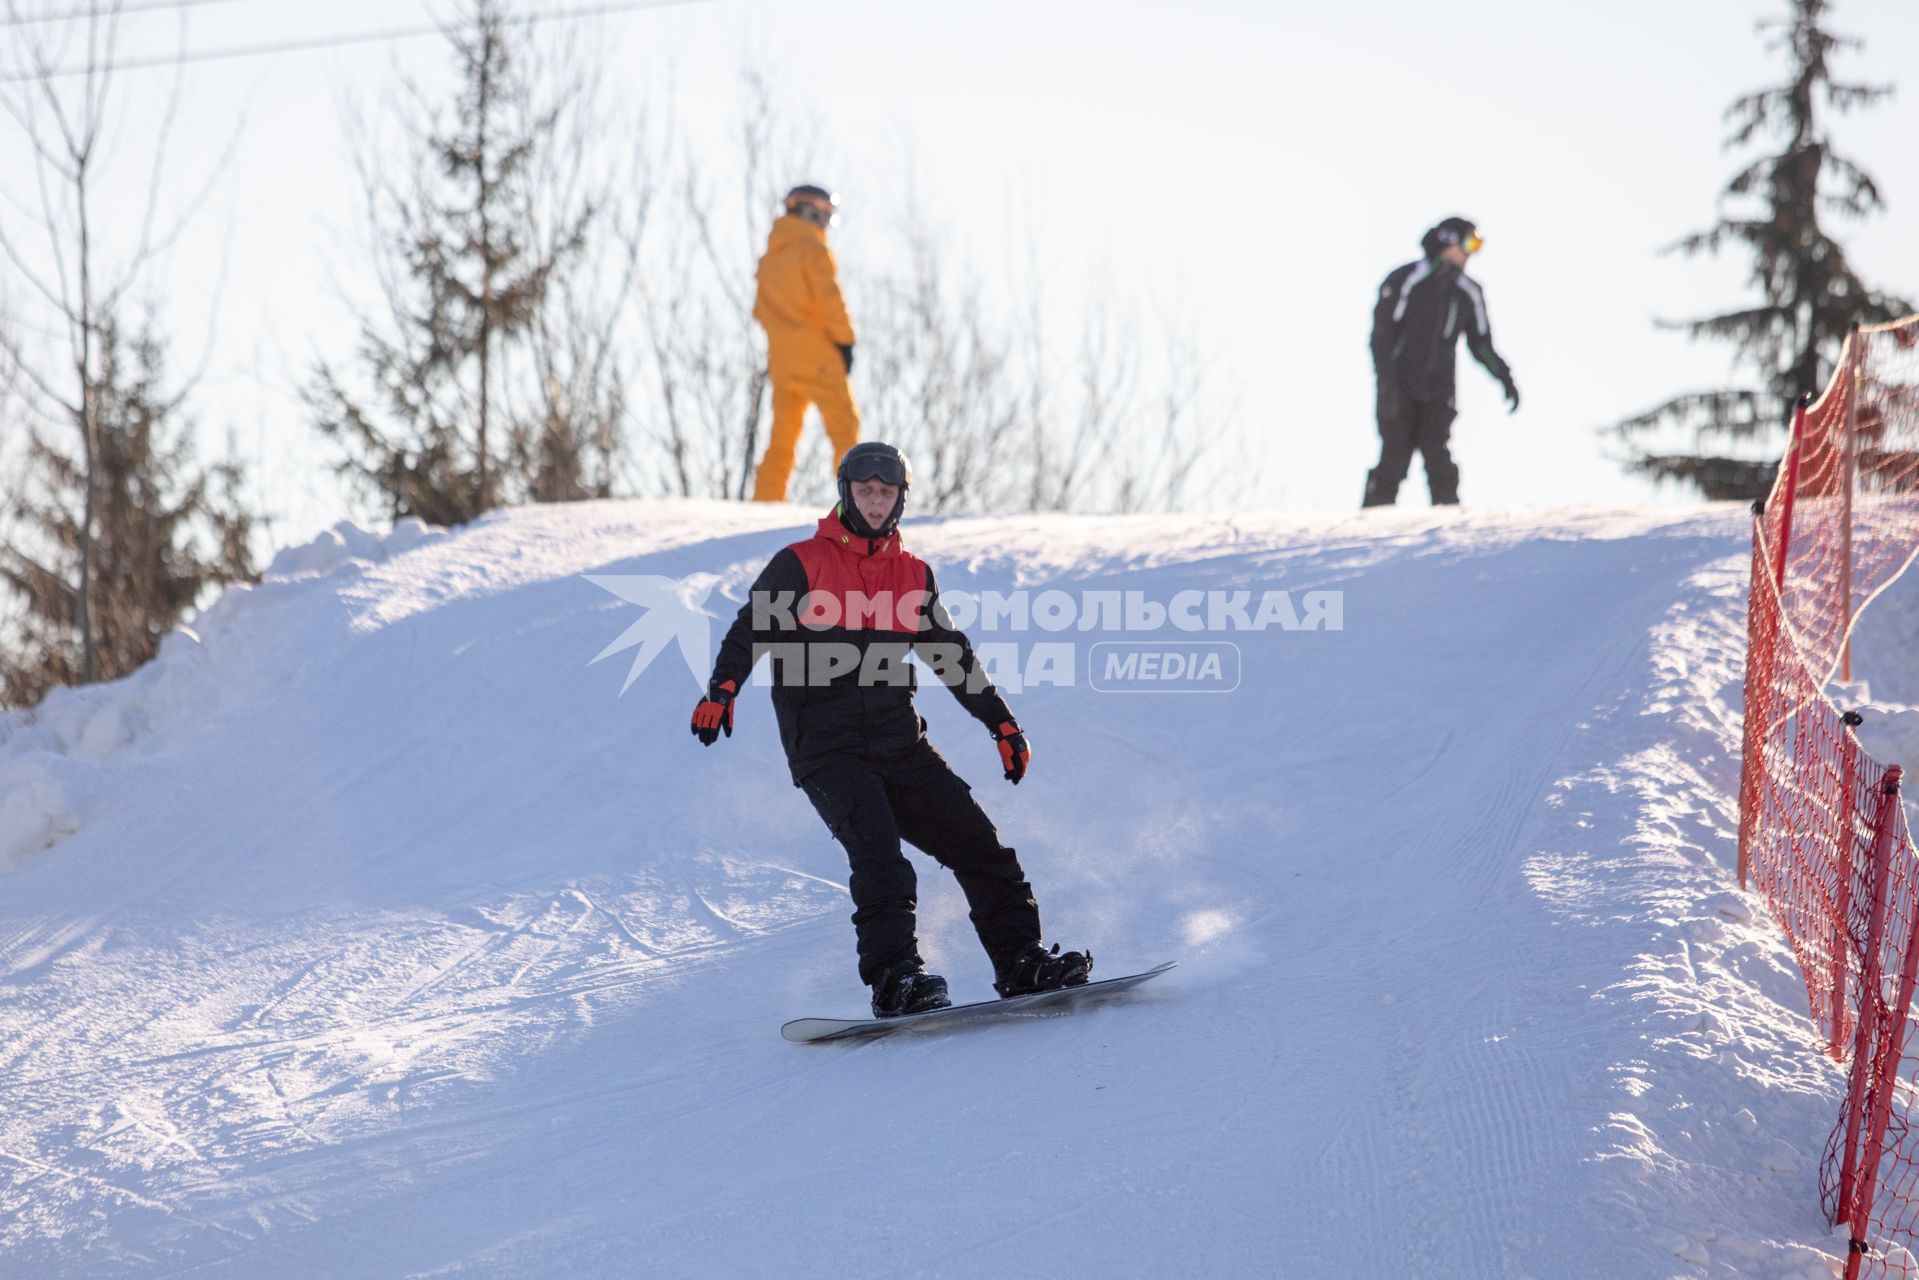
{"points": [[1511, 389], [714, 715], [1014, 751]]}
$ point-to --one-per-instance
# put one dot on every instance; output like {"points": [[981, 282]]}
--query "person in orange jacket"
{"points": [[809, 339]]}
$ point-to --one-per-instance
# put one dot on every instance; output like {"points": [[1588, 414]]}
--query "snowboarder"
{"points": [[1422, 308], [809, 338], [838, 613]]}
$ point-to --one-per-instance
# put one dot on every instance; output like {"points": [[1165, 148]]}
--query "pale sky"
{"points": [[1259, 165]]}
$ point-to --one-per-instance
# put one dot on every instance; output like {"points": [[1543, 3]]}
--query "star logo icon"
{"points": [[673, 611]]}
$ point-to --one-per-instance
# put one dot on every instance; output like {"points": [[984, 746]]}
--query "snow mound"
{"points": [[372, 929], [346, 545], [48, 779]]}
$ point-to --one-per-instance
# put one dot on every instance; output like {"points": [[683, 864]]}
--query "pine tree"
{"points": [[164, 531], [447, 433], [1809, 293]]}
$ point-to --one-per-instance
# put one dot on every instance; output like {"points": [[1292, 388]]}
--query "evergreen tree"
{"points": [[164, 531], [1809, 293], [448, 432]]}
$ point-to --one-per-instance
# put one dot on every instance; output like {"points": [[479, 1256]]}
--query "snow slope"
{"points": [[369, 931]]}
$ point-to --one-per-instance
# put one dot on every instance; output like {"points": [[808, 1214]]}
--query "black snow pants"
{"points": [[1406, 424], [871, 803]]}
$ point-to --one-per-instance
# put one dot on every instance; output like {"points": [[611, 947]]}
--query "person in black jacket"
{"points": [[1423, 307], [839, 613]]}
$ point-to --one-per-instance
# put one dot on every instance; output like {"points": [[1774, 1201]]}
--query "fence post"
{"points": [[1762, 643], [1765, 628], [1793, 451], [1869, 1006], [1758, 681], [1842, 917], [1848, 464], [1882, 1053]]}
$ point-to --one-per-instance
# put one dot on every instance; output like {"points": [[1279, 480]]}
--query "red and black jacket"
{"points": [[840, 614]]}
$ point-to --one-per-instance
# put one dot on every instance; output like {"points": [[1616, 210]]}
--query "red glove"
{"points": [[1014, 751], [714, 714]]}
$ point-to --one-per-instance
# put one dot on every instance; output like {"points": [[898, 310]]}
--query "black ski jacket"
{"points": [[839, 614], [1423, 307]]}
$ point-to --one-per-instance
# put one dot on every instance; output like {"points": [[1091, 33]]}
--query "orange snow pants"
{"points": [[791, 396]]}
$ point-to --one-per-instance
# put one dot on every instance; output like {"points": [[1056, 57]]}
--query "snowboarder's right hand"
{"points": [[715, 713], [1014, 751]]}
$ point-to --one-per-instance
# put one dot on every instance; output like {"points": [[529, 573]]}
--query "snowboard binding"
{"points": [[907, 988], [1033, 968]]}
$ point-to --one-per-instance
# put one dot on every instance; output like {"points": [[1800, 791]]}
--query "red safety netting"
{"points": [[1870, 1177], [1805, 810], [1847, 496], [1823, 835]]}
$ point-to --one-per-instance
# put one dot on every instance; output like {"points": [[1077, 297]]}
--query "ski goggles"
{"points": [[1472, 243], [881, 467], [824, 212]]}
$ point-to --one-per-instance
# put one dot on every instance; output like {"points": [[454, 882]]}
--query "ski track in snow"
{"points": [[368, 932]]}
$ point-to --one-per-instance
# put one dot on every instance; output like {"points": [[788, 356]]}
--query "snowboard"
{"points": [[806, 1030]]}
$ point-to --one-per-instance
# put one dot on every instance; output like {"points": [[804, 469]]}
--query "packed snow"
{"points": [[1885, 688], [371, 930]]}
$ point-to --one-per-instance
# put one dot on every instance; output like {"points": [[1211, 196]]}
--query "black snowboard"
{"points": [[803, 1030]]}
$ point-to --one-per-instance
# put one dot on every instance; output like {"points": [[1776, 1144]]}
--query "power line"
{"points": [[95, 11], [333, 42]]}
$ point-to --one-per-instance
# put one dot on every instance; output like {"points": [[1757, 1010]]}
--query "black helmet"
{"points": [[1463, 232], [814, 203], [873, 460]]}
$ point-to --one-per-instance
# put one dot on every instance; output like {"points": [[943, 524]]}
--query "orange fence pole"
{"points": [[1877, 1057], [1762, 641], [1760, 602], [1792, 490], [1848, 464], [1842, 915]]}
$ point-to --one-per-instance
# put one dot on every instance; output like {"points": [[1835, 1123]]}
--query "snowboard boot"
{"points": [[908, 988], [1034, 968]]}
